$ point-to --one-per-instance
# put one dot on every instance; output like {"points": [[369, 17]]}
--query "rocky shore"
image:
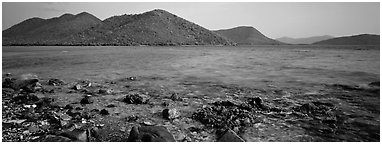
{"points": [[142, 109]]}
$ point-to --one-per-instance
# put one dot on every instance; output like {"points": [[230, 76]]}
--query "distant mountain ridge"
{"points": [[362, 39], [156, 27], [307, 40], [246, 35]]}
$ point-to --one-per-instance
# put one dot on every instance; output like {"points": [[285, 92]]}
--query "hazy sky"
{"points": [[274, 19]]}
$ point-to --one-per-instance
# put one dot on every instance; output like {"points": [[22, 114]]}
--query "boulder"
{"points": [[230, 136], [150, 134], [170, 114], [26, 85]]}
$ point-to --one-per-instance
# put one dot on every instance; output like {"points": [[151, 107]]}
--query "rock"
{"points": [[150, 134], [110, 105], [77, 87], [8, 74], [104, 112], [132, 118], [79, 135], [175, 97], [132, 78], [105, 91], [230, 136], [55, 138], [25, 99], [374, 84], [258, 101], [136, 99], [307, 108], [170, 114], [86, 100], [165, 104], [55, 82], [26, 85], [68, 106]]}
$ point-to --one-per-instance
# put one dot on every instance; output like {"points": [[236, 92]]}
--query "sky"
{"points": [[273, 19]]}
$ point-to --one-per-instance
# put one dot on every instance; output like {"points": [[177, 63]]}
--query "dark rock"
{"points": [[170, 114], [69, 107], [25, 99], [166, 104], [175, 97], [55, 82], [27, 85], [77, 135], [132, 78], [104, 112], [136, 99], [8, 74], [110, 105], [230, 136], [374, 84], [86, 100], [55, 138], [73, 114], [258, 101], [79, 108], [307, 108], [150, 134], [105, 91], [44, 102]]}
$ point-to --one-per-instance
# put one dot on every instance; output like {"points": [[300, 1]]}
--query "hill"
{"points": [[307, 40], [363, 39], [37, 31], [245, 35], [157, 27]]}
